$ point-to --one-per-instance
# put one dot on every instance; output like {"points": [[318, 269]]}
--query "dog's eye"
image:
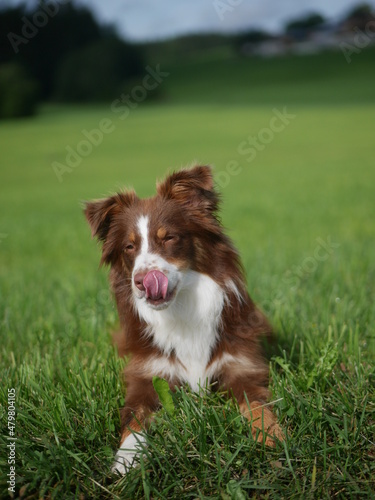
{"points": [[129, 247], [169, 237]]}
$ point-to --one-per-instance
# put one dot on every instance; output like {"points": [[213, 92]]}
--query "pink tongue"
{"points": [[156, 285]]}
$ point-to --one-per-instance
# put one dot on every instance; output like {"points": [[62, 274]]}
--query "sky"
{"points": [[144, 20]]}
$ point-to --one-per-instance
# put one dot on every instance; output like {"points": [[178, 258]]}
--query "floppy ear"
{"points": [[99, 215], [193, 188]]}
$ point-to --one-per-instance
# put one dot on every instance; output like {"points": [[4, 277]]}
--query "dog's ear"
{"points": [[101, 216], [193, 188], [100, 213]]}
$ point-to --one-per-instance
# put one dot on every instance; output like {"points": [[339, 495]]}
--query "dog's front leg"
{"points": [[264, 426], [252, 400], [141, 401]]}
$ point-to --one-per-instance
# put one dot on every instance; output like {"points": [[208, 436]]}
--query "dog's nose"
{"points": [[138, 281]]}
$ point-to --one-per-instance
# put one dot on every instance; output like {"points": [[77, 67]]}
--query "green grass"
{"points": [[312, 182], [219, 76]]}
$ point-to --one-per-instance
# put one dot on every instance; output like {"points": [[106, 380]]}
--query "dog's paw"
{"points": [[125, 457], [263, 422], [124, 461], [273, 433]]}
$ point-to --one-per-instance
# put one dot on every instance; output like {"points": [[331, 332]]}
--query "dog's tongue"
{"points": [[156, 285]]}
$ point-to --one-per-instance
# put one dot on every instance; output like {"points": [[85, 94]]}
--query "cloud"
{"points": [[147, 19], [141, 20]]}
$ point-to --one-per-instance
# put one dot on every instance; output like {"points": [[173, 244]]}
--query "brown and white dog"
{"points": [[181, 295]]}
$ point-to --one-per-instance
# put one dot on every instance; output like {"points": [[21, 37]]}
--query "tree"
{"points": [[253, 37], [361, 11], [43, 39], [305, 24], [97, 71], [18, 91]]}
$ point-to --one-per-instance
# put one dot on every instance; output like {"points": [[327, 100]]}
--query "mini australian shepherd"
{"points": [[184, 310]]}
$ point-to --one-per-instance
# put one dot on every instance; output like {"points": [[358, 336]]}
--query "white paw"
{"points": [[123, 462], [129, 449]]}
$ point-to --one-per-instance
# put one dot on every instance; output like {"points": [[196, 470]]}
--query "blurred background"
{"points": [[213, 51], [277, 96]]}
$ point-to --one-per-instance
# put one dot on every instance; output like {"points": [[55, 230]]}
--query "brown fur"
{"points": [[186, 204]]}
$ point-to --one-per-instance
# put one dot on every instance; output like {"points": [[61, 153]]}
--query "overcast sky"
{"points": [[140, 20]]}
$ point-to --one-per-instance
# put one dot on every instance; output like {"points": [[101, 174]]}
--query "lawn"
{"points": [[301, 211]]}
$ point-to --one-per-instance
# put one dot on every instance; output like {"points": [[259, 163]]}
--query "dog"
{"points": [[184, 310]]}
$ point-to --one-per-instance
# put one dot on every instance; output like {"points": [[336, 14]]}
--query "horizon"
{"points": [[144, 22]]}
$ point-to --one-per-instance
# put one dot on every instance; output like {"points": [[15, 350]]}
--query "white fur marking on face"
{"points": [[143, 229], [129, 448], [147, 261]]}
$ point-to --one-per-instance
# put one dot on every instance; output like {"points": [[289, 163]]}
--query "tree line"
{"points": [[58, 51]]}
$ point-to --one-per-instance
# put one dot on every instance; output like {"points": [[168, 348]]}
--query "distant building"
{"points": [[327, 36]]}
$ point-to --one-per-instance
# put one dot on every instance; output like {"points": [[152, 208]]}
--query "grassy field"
{"points": [[301, 211]]}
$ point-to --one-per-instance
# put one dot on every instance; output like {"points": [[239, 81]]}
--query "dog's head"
{"points": [[155, 242]]}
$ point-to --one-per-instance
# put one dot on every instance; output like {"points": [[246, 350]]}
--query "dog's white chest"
{"points": [[188, 329]]}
